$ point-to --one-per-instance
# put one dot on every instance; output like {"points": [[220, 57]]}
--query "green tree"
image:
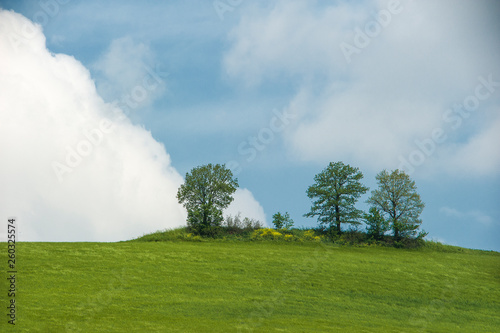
{"points": [[281, 221], [334, 194], [397, 198], [206, 191], [377, 224]]}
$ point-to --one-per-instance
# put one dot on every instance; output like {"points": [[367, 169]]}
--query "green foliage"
{"points": [[281, 221], [377, 224], [334, 194], [278, 220], [310, 235], [251, 230], [237, 225], [398, 199], [292, 235], [207, 190], [351, 237], [300, 235], [267, 234]]}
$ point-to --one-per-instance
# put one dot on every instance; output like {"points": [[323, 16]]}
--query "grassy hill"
{"points": [[225, 286]]}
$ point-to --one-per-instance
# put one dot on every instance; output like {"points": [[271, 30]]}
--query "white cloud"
{"points": [[245, 203], [288, 38], [451, 212], [74, 167], [480, 155], [470, 216], [122, 187], [123, 73], [393, 92]]}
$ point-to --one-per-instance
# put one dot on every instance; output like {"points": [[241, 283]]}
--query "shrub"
{"points": [[207, 190], [309, 235], [282, 221], [252, 223], [269, 234], [377, 224], [237, 225], [351, 237], [194, 238]]}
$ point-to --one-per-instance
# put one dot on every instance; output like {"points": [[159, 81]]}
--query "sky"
{"points": [[104, 107]]}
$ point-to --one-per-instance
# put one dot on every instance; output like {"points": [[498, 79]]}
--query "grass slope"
{"points": [[251, 286]]}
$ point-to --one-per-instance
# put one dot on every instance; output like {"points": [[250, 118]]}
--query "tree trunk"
{"points": [[395, 223], [205, 218], [337, 218]]}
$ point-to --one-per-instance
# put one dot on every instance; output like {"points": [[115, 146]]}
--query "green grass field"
{"points": [[218, 286]]}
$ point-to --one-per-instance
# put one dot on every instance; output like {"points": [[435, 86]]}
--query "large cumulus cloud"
{"points": [[406, 65], [74, 167]]}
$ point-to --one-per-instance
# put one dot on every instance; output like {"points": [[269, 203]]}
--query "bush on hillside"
{"points": [[235, 224], [266, 234], [237, 230], [282, 221]]}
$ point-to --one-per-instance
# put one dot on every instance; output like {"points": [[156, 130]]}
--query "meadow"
{"points": [[260, 286]]}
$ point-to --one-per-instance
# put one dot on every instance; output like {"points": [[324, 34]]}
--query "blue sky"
{"points": [[276, 88]]}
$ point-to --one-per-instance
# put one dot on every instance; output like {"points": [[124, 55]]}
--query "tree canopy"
{"points": [[397, 198], [207, 190], [377, 225], [334, 193], [282, 221]]}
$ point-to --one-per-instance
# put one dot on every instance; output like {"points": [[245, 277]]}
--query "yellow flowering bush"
{"points": [[266, 233], [272, 234], [195, 238], [310, 236]]}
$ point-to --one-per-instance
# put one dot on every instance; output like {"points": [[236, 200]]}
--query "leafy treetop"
{"points": [[207, 190], [398, 199], [334, 193]]}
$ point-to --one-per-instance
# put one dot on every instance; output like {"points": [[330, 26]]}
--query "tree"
{"points": [[236, 223], [207, 190], [397, 198], [282, 221], [334, 193], [377, 224]]}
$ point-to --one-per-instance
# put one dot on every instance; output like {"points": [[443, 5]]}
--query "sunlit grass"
{"points": [[216, 286]]}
